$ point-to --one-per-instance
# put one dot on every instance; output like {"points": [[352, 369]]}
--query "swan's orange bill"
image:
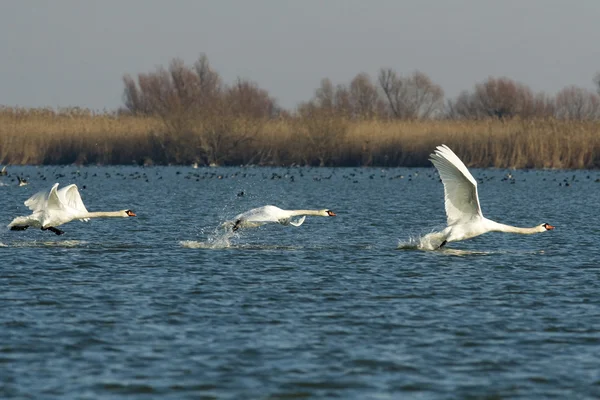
{"points": [[331, 213], [131, 213], [549, 227]]}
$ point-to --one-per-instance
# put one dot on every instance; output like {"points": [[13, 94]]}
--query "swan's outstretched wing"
{"points": [[69, 196], [460, 188], [39, 201], [54, 202]]}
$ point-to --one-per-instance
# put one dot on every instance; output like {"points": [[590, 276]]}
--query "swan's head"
{"points": [[328, 213], [546, 227], [128, 213]]}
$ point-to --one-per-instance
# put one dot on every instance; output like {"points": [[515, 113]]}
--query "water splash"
{"points": [[430, 241], [219, 239], [412, 243]]}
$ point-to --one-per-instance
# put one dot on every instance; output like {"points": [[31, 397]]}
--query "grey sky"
{"points": [[74, 52]]}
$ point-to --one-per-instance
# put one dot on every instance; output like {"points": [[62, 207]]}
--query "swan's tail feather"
{"points": [[20, 221], [299, 222]]}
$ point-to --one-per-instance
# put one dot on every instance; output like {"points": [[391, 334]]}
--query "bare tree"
{"points": [[185, 84], [500, 98], [358, 100], [343, 104], [365, 99], [464, 107], [210, 82], [133, 98], [325, 95], [576, 103], [412, 97], [246, 99], [330, 99], [178, 90]]}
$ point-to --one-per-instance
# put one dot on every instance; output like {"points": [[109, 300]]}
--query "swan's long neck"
{"points": [[498, 227], [103, 214], [294, 213]]}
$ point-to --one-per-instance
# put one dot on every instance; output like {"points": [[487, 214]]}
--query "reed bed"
{"points": [[76, 136]]}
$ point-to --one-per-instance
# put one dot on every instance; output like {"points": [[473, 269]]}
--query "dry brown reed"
{"points": [[34, 136]]}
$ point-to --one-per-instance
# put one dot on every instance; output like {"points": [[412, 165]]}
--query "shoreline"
{"points": [[33, 137]]}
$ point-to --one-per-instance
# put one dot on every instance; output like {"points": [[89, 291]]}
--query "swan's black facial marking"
{"points": [[330, 213], [130, 213], [548, 227]]}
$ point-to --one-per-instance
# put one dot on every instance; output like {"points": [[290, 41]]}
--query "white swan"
{"points": [[271, 214], [57, 207], [463, 211]]}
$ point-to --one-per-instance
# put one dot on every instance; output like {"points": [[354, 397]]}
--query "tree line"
{"points": [[184, 114], [180, 92]]}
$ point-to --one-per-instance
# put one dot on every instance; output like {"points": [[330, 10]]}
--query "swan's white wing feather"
{"points": [[460, 188], [54, 202], [69, 195], [39, 201], [263, 214]]}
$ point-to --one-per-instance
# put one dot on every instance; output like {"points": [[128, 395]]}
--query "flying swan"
{"points": [[463, 211], [57, 207], [271, 214]]}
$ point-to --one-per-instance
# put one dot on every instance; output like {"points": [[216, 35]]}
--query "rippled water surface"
{"points": [[164, 306]]}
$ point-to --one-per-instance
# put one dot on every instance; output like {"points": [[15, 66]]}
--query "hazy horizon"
{"points": [[69, 53]]}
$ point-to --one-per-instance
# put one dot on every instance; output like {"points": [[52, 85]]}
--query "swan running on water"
{"points": [[57, 207], [271, 214], [463, 211]]}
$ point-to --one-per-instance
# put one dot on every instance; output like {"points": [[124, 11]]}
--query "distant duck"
{"points": [[3, 172], [22, 181], [57, 207], [271, 214]]}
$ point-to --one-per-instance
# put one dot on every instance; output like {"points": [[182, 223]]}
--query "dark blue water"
{"points": [[160, 306]]}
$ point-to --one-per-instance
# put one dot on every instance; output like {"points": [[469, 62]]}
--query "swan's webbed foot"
{"points": [[236, 226], [443, 244], [19, 227], [53, 229]]}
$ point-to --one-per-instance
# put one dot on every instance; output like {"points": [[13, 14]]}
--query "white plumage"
{"points": [[463, 211], [271, 214], [57, 207]]}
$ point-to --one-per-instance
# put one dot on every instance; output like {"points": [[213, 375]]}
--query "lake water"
{"points": [[162, 306]]}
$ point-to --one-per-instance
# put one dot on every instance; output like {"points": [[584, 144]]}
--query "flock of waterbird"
{"points": [[463, 211]]}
